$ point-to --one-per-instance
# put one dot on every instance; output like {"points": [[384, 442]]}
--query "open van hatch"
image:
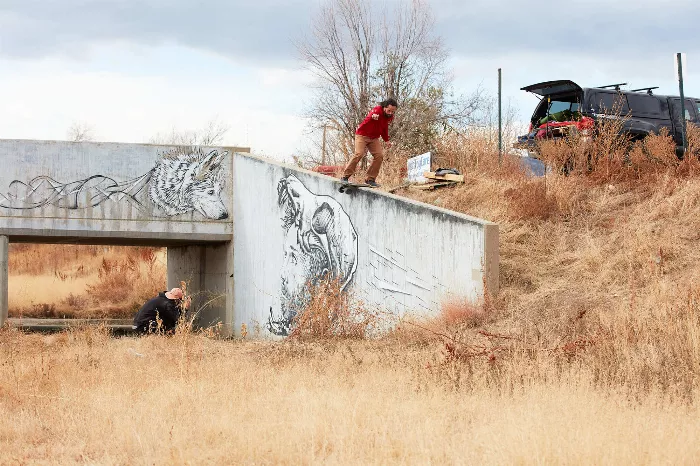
{"points": [[553, 87]]}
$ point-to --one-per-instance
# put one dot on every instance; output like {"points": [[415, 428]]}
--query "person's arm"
{"points": [[385, 131], [169, 313], [371, 116]]}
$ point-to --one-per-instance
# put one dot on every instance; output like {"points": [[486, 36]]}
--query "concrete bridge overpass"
{"points": [[246, 231]]}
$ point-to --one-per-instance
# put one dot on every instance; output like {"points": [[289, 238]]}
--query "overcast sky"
{"points": [[133, 69]]}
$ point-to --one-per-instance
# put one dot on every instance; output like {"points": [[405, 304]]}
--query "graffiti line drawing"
{"points": [[399, 283], [320, 242], [179, 183]]}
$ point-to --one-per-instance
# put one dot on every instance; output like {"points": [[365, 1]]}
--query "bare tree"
{"points": [[211, 135], [80, 131], [361, 55]]}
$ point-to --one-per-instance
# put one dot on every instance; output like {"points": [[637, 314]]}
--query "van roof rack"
{"points": [[616, 86], [648, 89]]}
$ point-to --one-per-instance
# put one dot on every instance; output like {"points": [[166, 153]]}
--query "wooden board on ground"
{"points": [[396, 188], [431, 186], [448, 177]]}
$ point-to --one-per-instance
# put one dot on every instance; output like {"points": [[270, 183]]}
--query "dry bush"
{"points": [[462, 313], [332, 313], [472, 154], [128, 282], [693, 137], [46, 310], [612, 156], [531, 200], [77, 302]]}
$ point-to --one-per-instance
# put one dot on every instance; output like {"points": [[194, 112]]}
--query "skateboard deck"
{"points": [[347, 187]]}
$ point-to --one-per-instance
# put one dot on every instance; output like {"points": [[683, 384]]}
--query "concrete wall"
{"points": [[111, 190], [399, 256]]}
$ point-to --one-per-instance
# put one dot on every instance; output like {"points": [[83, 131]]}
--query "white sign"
{"points": [[418, 165], [683, 62]]}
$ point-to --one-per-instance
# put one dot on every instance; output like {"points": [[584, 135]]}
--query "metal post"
{"points": [[680, 88], [500, 121], [323, 150]]}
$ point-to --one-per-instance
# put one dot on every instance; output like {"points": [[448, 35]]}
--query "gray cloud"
{"points": [[590, 40], [263, 30], [568, 29], [260, 30]]}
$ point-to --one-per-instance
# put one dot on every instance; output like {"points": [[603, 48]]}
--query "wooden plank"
{"points": [[448, 177], [401, 186], [431, 186]]}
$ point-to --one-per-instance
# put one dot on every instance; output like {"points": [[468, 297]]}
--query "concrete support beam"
{"points": [[4, 246], [208, 273]]}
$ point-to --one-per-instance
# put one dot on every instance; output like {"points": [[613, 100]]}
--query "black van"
{"points": [[565, 105]]}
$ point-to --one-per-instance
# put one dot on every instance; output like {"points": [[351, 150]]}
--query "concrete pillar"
{"points": [[208, 272], [4, 246], [217, 287]]}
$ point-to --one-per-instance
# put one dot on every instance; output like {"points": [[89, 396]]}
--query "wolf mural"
{"points": [[319, 241], [180, 182]]}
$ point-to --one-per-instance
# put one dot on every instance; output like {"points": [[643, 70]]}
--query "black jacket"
{"points": [[166, 309]]}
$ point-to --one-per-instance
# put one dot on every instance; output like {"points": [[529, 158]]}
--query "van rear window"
{"points": [[644, 105], [610, 103]]}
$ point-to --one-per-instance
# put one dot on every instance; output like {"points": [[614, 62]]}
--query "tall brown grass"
{"points": [[84, 397]]}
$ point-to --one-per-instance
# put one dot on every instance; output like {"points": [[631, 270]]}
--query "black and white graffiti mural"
{"points": [[319, 241], [180, 182]]}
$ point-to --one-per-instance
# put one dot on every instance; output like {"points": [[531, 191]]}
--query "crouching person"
{"points": [[160, 314]]}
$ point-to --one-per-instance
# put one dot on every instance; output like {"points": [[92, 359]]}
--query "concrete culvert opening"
{"points": [[55, 286]]}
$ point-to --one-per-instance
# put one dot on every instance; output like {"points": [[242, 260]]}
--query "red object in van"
{"points": [[555, 127]]}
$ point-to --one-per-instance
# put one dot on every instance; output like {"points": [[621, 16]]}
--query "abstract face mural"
{"points": [[319, 242], [180, 182]]}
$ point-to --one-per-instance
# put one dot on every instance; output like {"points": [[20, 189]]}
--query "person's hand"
{"points": [[186, 302], [375, 116]]}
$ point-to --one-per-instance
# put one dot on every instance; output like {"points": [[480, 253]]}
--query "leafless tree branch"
{"points": [[362, 55]]}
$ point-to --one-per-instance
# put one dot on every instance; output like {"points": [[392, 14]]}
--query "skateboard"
{"points": [[348, 187]]}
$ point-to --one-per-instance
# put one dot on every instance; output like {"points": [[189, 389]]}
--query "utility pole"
{"points": [[323, 147], [500, 121], [679, 58]]}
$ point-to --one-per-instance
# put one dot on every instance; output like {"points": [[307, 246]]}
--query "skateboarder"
{"points": [[374, 126]]}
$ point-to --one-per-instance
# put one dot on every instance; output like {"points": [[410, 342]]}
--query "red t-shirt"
{"points": [[372, 128]]}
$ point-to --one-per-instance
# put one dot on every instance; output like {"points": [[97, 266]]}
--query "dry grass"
{"points": [[82, 281], [83, 397], [598, 267], [590, 352], [333, 313]]}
